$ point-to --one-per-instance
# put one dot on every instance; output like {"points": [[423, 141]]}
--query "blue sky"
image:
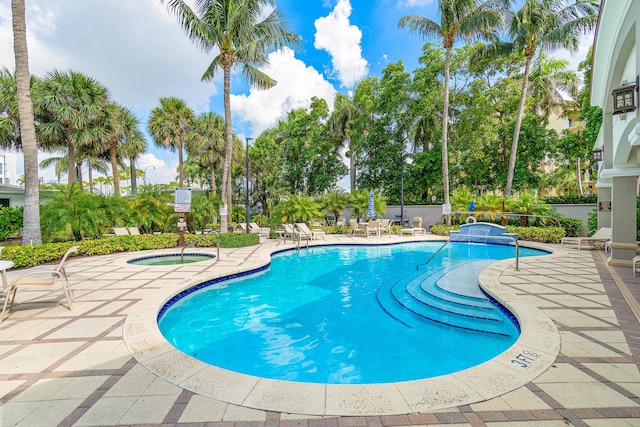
{"points": [[138, 51]]}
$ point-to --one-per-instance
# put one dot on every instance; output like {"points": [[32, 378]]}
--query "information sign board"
{"points": [[182, 196]]}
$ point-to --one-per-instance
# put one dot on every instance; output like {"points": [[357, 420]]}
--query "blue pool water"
{"points": [[349, 315]]}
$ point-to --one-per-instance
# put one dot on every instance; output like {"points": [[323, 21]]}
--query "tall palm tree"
{"points": [[459, 20], [543, 24], [340, 123], [169, 124], [551, 80], [120, 125], [131, 147], [31, 220], [207, 143], [73, 108], [243, 37]]}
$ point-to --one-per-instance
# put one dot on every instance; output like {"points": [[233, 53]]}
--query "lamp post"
{"points": [[146, 181], [246, 190], [409, 160]]}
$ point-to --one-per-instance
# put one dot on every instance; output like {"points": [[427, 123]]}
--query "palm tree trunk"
{"points": [[134, 179], [71, 178], [114, 167], [226, 171], [352, 170], [31, 220], [180, 160], [214, 191], [516, 132], [445, 128], [90, 176]]}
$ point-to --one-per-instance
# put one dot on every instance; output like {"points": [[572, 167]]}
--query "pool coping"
{"points": [[535, 350]]}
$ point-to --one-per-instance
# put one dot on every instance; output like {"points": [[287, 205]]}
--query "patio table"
{"points": [[4, 266]]}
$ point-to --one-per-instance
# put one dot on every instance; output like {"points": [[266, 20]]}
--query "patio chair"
{"points": [[256, 229], [341, 221], [120, 231], [596, 241], [44, 277], [314, 233], [355, 227], [240, 227], [385, 226], [134, 231], [372, 228]]}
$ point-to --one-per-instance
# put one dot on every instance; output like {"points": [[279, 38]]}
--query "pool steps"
{"points": [[418, 298]]}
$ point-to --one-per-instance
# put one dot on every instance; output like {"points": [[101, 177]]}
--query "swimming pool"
{"points": [[374, 324]]}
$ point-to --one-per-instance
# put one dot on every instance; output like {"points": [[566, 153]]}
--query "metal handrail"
{"points": [[511, 238], [200, 238]]}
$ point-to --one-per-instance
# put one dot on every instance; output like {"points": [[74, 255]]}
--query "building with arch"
{"points": [[614, 87]]}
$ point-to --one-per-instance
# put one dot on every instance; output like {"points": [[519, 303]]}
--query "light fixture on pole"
{"points": [[144, 174], [408, 160], [598, 154], [246, 190]]}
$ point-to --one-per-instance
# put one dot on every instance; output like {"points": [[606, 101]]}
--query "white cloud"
{"points": [[135, 48], [414, 3], [297, 83], [341, 40]]}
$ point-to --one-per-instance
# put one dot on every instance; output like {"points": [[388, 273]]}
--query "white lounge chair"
{"points": [[256, 229], [44, 277], [292, 233], [134, 231], [314, 233], [385, 226], [596, 241], [120, 231]]}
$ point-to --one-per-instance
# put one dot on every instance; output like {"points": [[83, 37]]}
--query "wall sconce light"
{"points": [[624, 98], [598, 154]]}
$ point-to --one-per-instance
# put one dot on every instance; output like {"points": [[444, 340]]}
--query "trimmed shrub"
{"points": [[10, 221], [29, 256], [572, 227], [538, 234], [571, 200]]}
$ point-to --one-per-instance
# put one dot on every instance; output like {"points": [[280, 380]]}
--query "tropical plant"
{"points": [[545, 24], [74, 211], [358, 202], [527, 204], [334, 202], [297, 208], [31, 229], [490, 205], [149, 209], [169, 124], [461, 199], [242, 35], [459, 19]]}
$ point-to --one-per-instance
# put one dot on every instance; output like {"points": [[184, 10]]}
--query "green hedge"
{"points": [[571, 200], [29, 256]]}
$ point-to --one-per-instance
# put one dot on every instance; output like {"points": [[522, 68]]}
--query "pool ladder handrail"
{"points": [[200, 238], [511, 238]]}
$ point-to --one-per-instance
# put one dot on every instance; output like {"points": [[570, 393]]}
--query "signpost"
{"points": [[182, 204]]}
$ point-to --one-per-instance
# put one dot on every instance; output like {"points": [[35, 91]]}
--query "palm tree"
{"points": [[121, 125], [543, 24], [31, 220], [169, 124], [131, 147], [340, 123], [206, 142], [73, 108], [459, 19], [551, 80], [242, 40]]}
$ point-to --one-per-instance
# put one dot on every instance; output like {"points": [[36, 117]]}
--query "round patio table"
{"points": [[4, 266]]}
